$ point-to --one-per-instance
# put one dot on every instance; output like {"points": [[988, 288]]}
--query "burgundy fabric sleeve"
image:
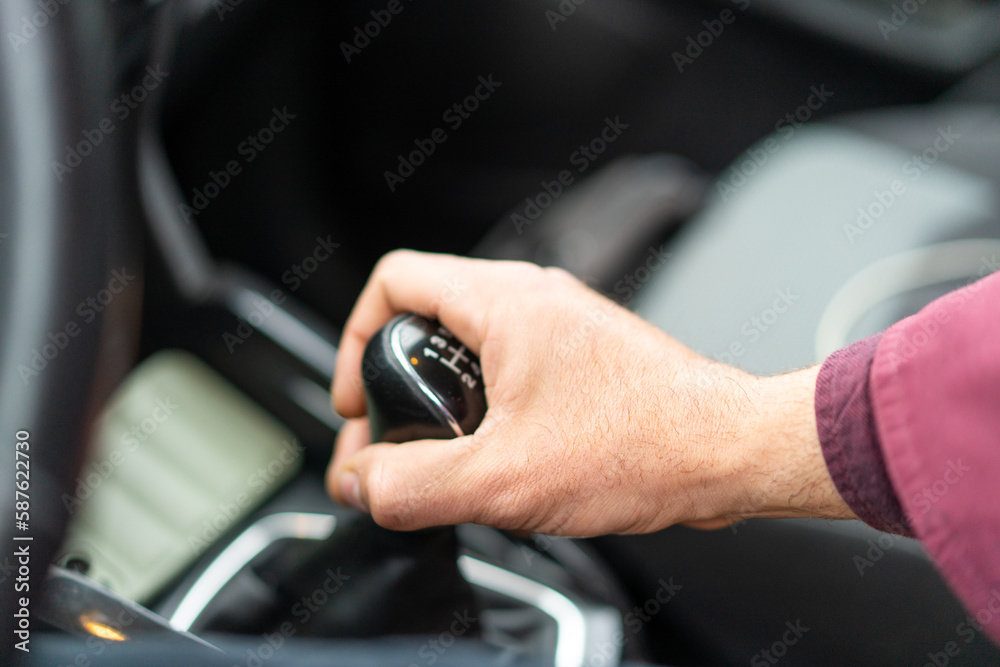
{"points": [[935, 385], [917, 412], [849, 438]]}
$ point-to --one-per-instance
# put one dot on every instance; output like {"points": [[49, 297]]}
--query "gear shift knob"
{"points": [[421, 382]]}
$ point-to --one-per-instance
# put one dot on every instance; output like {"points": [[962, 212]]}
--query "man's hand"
{"points": [[598, 422]]}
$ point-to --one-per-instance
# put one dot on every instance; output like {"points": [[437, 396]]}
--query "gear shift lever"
{"points": [[421, 382]]}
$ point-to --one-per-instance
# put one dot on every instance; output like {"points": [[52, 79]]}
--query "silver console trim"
{"points": [[573, 639], [285, 329], [894, 275], [241, 551], [315, 400]]}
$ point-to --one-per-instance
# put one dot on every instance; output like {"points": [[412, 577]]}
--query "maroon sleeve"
{"points": [[849, 438], [915, 414], [935, 386]]}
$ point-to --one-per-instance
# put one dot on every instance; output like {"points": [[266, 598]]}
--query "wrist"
{"points": [[786, 474]]}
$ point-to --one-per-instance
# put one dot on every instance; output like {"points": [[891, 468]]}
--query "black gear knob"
{"points": [[421, 382]]}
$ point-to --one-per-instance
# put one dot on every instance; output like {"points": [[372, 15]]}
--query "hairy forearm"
{"points": [[792, 478]]}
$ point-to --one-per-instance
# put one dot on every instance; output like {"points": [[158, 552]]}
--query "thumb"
{"points": [[410, 486]]}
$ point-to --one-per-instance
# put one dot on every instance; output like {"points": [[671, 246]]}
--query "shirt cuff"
{"points": [[846, 425]]}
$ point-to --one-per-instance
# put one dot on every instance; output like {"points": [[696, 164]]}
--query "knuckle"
{"points": [[502, 511], [392, 259], [503, 498], [520, 272], [560, 275], [386, 500]]}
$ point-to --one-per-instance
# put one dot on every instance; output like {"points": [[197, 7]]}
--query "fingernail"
{"points": [[350, 490]]}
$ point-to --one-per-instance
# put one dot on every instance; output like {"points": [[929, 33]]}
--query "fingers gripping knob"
{"points": [[421, 382]]}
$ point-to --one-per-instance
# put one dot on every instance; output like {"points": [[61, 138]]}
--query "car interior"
{"points": [[194, 192]]}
